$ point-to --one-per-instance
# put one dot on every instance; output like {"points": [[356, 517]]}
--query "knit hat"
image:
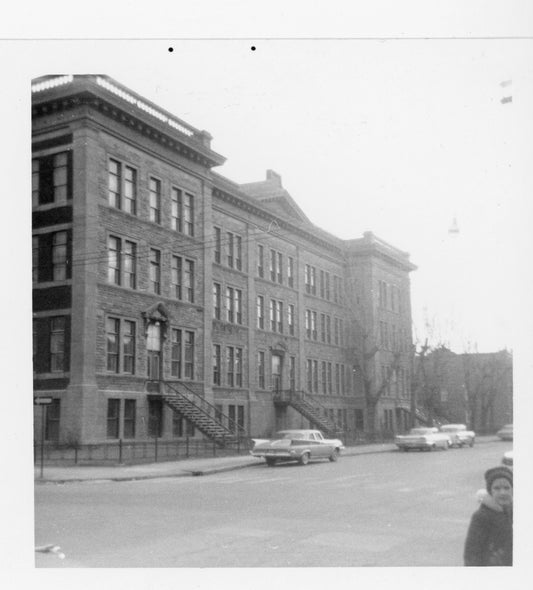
{"points": [[496, 473]]}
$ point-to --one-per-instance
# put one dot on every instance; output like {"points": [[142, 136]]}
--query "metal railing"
{"points": [[231, 426], [118, 452], [289, 395]]}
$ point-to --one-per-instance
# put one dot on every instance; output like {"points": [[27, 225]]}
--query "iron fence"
{"points": [[136, 452], [152, 451]]}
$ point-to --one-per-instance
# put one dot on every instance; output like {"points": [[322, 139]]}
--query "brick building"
{"points": [[170, 301], [470, 388]]}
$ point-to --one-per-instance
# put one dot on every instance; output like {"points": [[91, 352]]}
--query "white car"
{"points": [[459, 435], [506, 433], [297, 445], [423, 439]]}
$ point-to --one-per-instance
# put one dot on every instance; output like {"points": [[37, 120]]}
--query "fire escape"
{"points": [[309, 408], [215, 425]]}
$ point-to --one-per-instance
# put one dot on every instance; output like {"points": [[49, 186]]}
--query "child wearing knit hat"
{"points": [[489, 541]]}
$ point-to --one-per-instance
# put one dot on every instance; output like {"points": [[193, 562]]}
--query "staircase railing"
{"points": [[291, 396], [199, 402]]}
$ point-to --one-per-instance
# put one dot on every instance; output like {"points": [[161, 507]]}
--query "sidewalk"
{"points": [[184, 467]]}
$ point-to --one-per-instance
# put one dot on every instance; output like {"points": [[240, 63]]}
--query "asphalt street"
{"points": [[387, 509]]}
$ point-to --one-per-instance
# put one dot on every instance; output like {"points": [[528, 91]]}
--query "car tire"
{"points": [[334, 455], [270, 462], [304, 459]]}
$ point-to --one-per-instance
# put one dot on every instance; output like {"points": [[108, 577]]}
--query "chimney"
{"points": [[274, 177]]}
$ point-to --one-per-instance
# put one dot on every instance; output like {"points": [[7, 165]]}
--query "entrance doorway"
{"points": [[277, 361]]}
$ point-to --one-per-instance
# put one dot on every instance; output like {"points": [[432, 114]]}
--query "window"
{"points": [[309, 375], [128, 347], [155, 270], [57, 344], [113, 417], [337, 379], [51, 344], [234, 250], [189, 355], [327, 291], [314, 334], [122, 187], [260, 261], [330, 378], [261, 369], [324, 377], [315, 376], [230, 366], [234, 356], [216, 364], [121, 262], [310, 279], [292, 373], [290, 271], [308, 323], [233, 305], [176, 354], [238, 367], [260, 312], [328, 329], [336, 332], [216, 300], [182, 278], [276, 316], [229, 249], [276, 267], [51, 255], [59, 256], [291, 319], [155, 200], [182, 354], [322, 284], [218, 245], [113, 339], [323, 327], [236, 416], [52, 179], [51, 431], [130, 411], [182, 211]]}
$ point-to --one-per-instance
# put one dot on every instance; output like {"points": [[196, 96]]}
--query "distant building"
{"points": [[170, 301], [471, 388]]}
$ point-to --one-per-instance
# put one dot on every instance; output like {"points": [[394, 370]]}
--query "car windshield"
{"points": [[421, 431], [452, 428]]}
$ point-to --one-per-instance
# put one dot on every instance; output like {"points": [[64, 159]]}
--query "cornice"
{"points": [[86, 94]]}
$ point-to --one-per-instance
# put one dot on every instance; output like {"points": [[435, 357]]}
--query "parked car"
{"points": [[506, 433], [459, 435], [423, 439], [297, 445], [507, 459]]}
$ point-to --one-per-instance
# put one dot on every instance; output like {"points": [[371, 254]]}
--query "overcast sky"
{"points": [[396, 137]]}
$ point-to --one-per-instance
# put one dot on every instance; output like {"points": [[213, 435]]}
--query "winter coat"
{"points": [[489, 541]]}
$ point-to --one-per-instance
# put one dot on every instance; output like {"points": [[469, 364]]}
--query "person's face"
{"points": [[502, 491]]}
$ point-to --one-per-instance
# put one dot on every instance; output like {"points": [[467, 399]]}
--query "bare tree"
{"points": [[367, 356]]}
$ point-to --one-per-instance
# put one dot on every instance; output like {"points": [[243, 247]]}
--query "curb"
{"points": [[370, 450]]}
